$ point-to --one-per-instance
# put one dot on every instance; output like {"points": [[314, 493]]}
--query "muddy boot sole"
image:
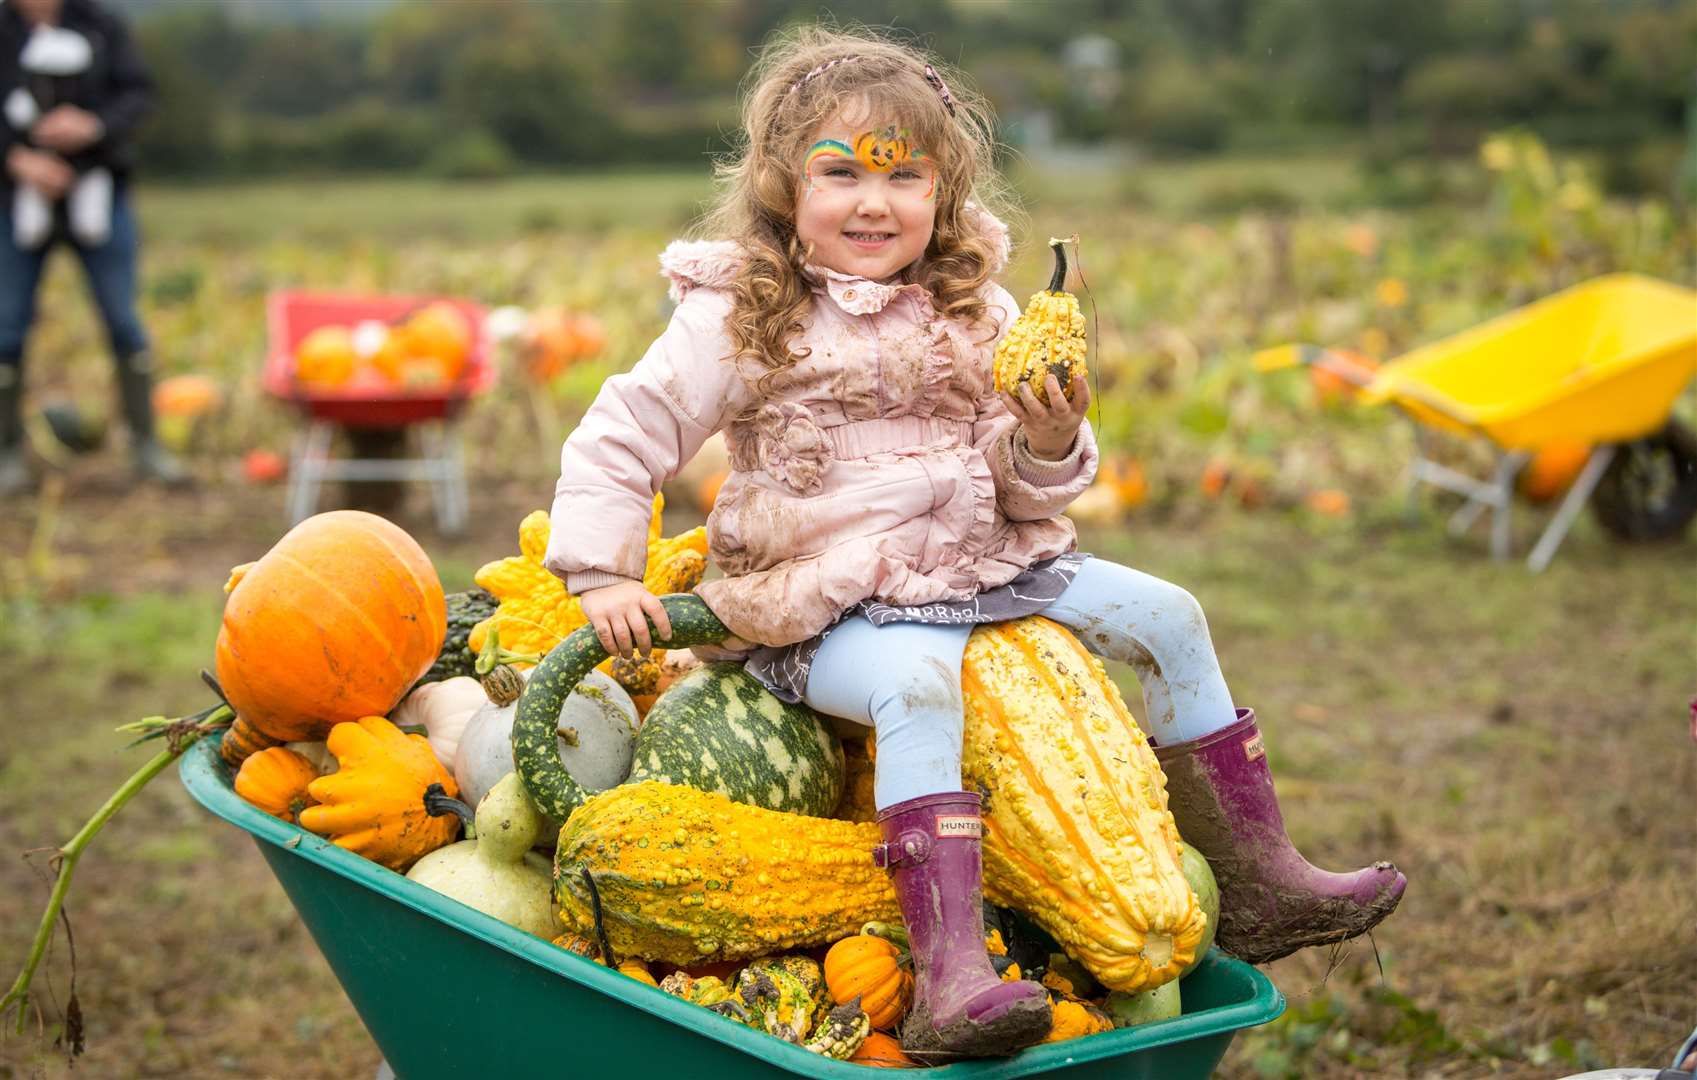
{"points": [[1305, 921], [1023, 1025]]}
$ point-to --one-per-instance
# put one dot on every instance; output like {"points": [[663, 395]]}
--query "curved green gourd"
{"points": [[545, 777]]}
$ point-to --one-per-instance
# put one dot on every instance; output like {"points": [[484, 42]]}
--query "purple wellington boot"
{"points": [[960, 1008], [1272, 900]]}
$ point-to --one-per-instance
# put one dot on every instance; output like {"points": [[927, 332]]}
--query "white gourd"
{"points": [[496, 872], [443, 709], [599, 716]]}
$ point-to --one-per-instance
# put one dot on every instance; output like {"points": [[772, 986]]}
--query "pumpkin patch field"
{"points": [[1519, 744]]}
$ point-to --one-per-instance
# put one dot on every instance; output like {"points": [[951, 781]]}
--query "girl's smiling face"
{"points": [[866, 204]]}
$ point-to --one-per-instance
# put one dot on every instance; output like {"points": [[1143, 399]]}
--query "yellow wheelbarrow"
{"points": [[1601, 363]]}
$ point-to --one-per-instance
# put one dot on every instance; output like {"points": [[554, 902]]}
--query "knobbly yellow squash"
{"points": [[1077, 833], [686, 876], [1047, 339]]}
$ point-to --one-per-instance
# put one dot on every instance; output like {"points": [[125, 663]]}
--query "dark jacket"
{"points": [[116, 87]]}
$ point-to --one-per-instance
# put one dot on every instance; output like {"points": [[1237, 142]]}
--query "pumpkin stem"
{"points": [[1058, 281], [895, 935], [438, 803], [503, 685], [492, 655], [211, 680]]}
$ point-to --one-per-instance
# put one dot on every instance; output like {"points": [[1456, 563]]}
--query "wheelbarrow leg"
{"points": [[1502, 517], [306, 470], [447, 477], [456, 480], [1577, 495]]}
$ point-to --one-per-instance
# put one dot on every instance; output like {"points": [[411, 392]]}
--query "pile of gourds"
{"points": [[723, 837]]}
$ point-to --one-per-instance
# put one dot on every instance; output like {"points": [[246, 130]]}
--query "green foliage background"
{"points": [[474, 87]]}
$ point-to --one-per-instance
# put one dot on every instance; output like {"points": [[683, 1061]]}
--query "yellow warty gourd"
{"points": [[687, 876], [1048, 338], [537, 612], [1077, 833]]}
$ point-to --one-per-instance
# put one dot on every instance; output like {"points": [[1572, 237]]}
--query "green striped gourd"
{"points": [[716, 730]]}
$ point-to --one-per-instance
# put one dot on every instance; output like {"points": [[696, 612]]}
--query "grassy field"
{"points": [[1516, 743]]}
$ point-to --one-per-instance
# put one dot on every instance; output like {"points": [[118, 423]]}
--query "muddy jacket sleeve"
{"points": [[1028, 488], [644, 425]]}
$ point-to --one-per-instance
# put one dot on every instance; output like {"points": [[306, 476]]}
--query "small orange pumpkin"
{"points": [[1124, 475], [1328, 501], [869, 968], [439, 331], [1553, 469], [1215, 476], [241, 741], [390, 355], [708, 493], [1073, 1019], [275, 780], [335, 622], [186, 396], [326, 357], [881, 1051], [591, 335]]}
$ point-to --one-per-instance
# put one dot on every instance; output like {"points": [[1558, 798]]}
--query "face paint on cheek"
{"points": [[931, 187]]}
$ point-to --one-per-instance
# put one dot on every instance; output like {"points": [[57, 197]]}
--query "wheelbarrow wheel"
{"points": [[1650, 489]]}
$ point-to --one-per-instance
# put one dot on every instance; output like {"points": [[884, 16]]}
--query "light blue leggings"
{"points": [[903, 679]]}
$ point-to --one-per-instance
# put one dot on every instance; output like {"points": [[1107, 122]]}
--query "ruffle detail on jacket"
{"points": [[984, 514], [938, 370], [790, 446]]}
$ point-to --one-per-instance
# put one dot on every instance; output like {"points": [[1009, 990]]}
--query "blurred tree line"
{"points": [[482, 87]]}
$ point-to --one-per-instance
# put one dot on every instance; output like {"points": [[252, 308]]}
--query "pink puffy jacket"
{"points": [[883, 465]]}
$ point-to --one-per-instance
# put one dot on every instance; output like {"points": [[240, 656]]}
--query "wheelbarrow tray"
{"points": [[1600, 362], [514, 1005], [291, 315]]}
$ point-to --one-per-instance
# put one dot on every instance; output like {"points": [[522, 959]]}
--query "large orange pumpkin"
{"points": [[335, 622]]}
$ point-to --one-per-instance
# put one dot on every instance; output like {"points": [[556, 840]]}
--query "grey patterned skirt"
{"points": [[783, 669]]}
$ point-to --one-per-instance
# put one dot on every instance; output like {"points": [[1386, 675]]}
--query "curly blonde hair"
{"points": [[759, 182]]}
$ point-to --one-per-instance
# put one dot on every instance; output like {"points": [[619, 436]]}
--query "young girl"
{"points": [[884, 499]]}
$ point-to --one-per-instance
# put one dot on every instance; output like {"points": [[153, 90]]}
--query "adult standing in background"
{"points": [[72, 91]]}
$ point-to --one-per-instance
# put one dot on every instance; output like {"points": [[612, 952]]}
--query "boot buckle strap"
{"points": [[909, 849]]}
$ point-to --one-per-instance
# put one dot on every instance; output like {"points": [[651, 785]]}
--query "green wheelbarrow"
{"points": [[529, 1008]]}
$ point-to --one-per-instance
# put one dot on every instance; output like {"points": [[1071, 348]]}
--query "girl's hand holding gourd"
{"points": [[617, 613], [1050, 428]]}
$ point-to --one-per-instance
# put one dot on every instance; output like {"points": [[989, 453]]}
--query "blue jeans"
{"points": [[903, 679], [111, 272]]}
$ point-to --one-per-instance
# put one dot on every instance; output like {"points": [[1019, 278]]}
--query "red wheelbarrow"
{"points": [[362, 408]]}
